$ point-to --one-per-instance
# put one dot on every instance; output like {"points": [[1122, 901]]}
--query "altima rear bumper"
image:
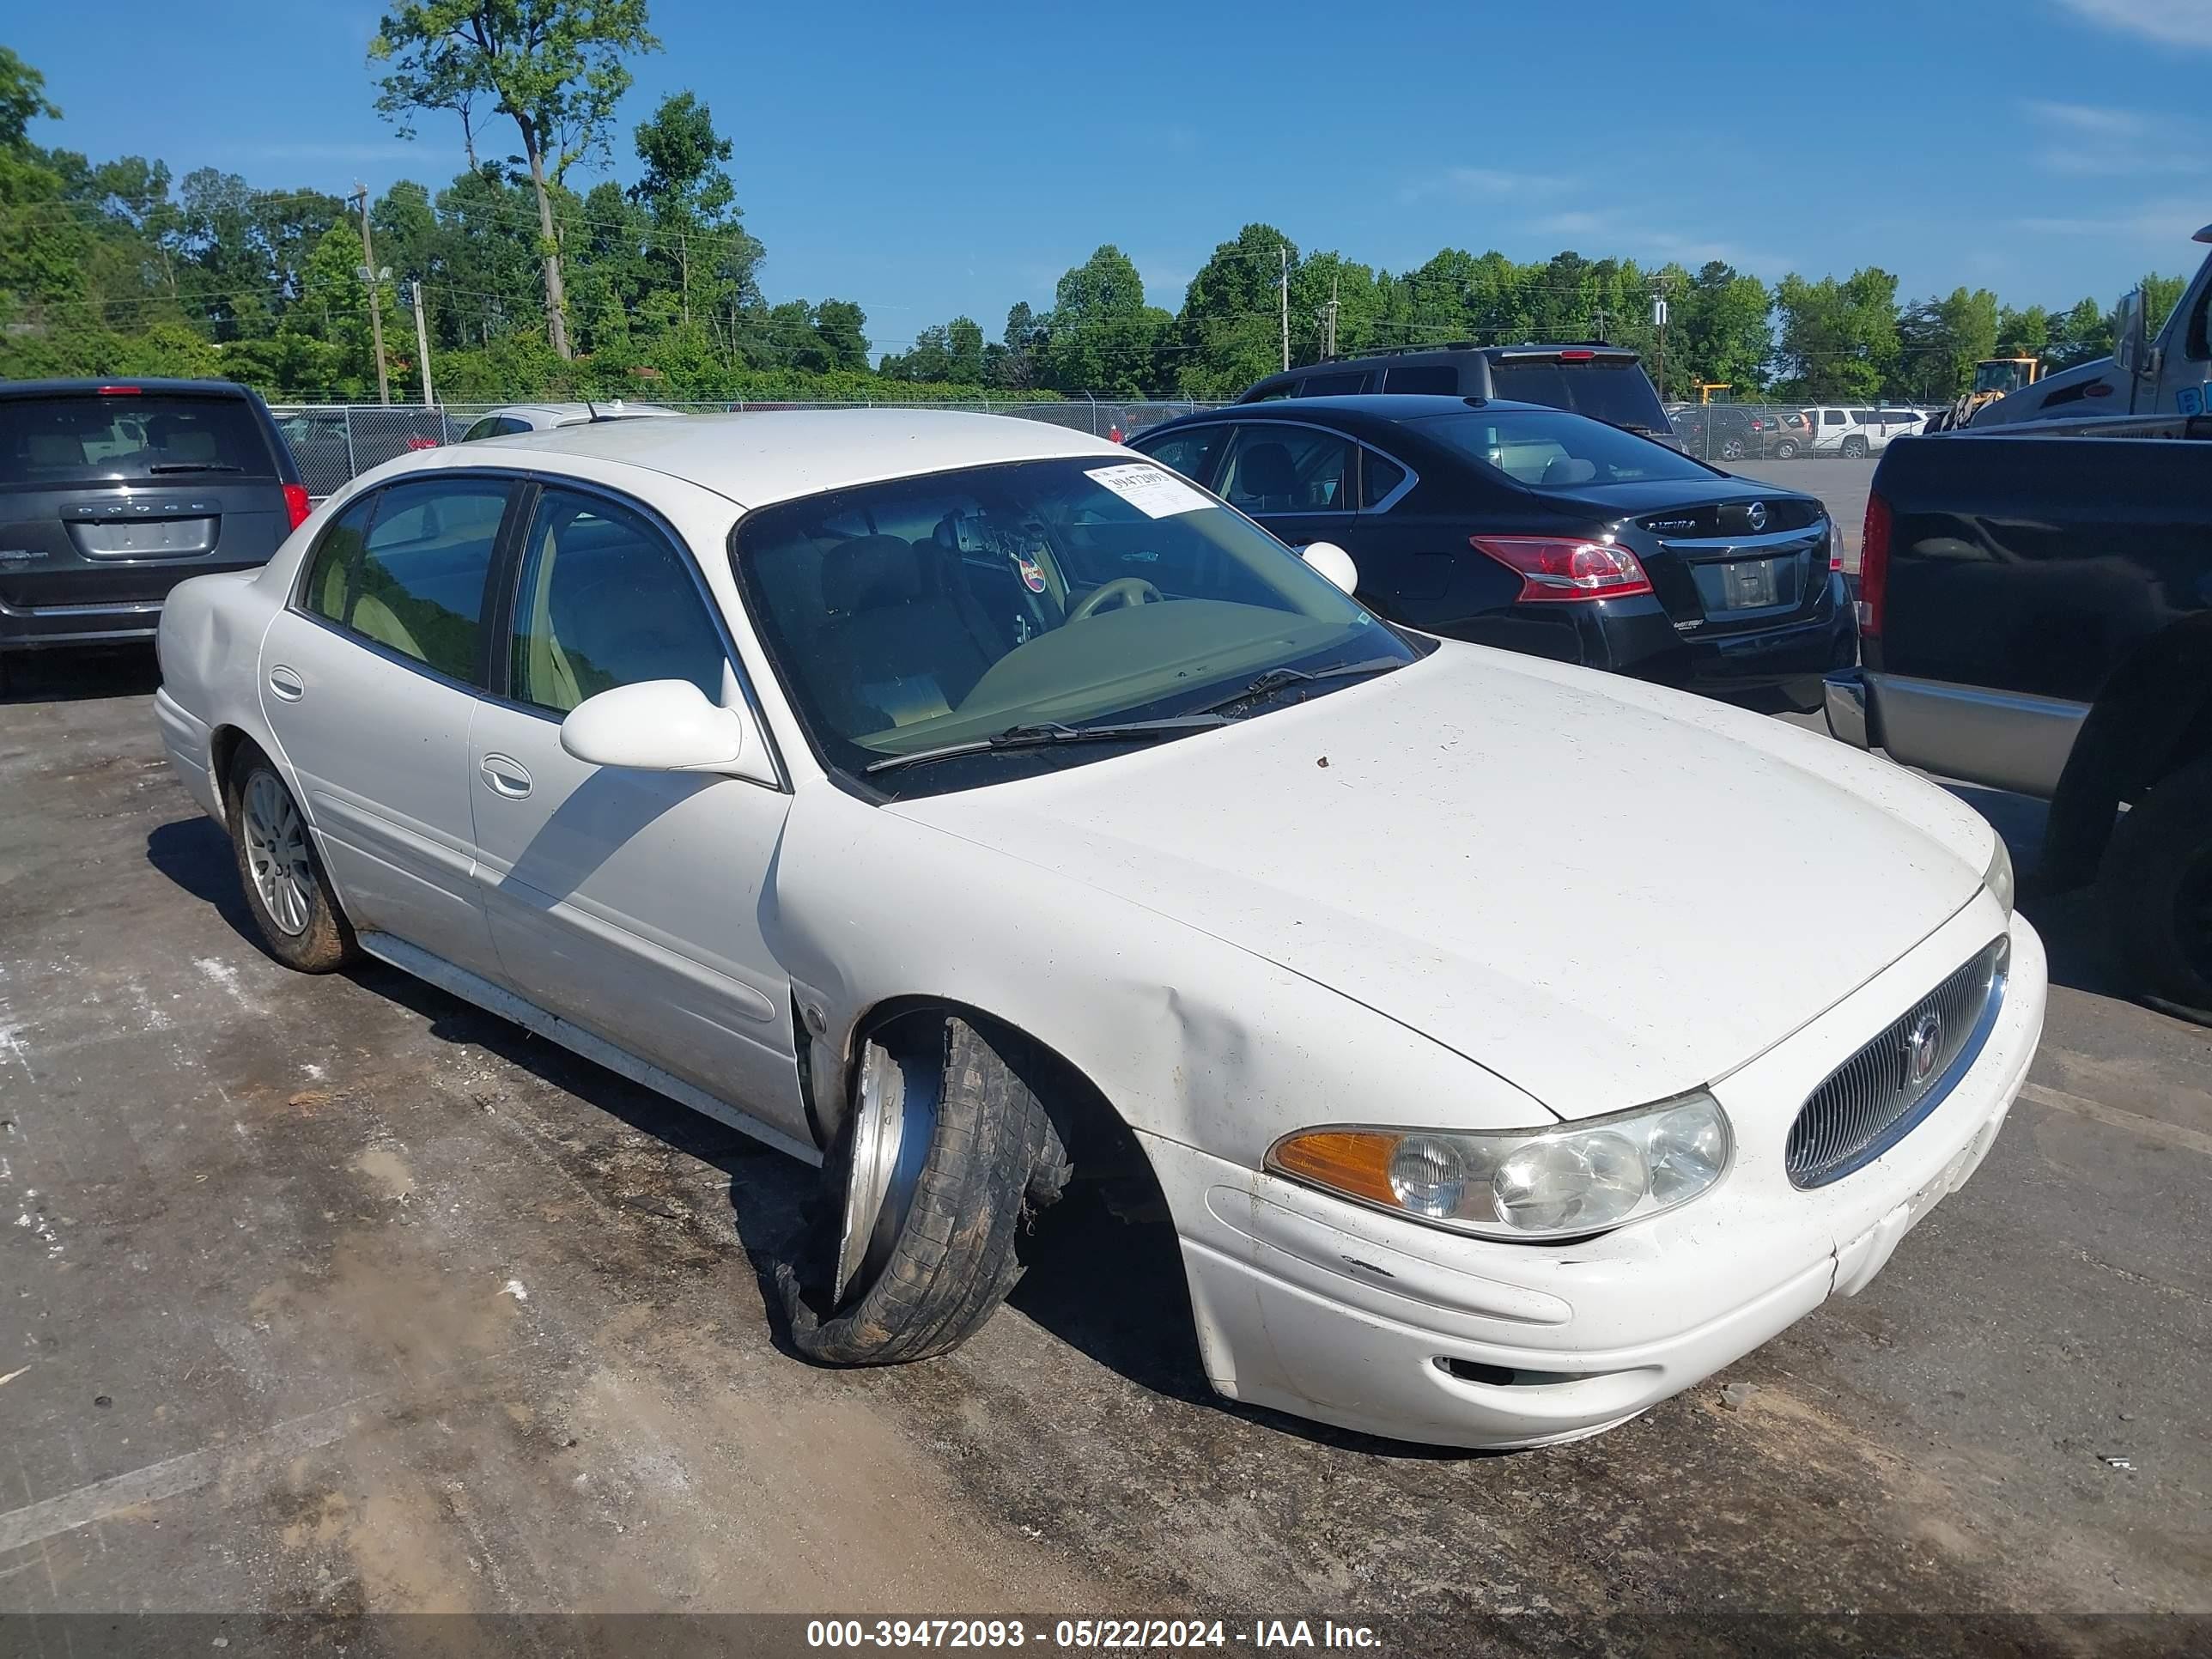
{"points": [[1328, 1311]]}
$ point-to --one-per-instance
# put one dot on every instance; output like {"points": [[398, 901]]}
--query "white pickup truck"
{"points": [[2169, 375]]}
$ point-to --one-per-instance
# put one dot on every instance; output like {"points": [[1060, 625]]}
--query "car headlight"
{"points": [[1998, 877], [1565, 1181]]}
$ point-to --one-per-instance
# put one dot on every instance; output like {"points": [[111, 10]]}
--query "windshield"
{"points": [[2000, 377], [927, 612], [1545, 451], [76, 438], [1615, 390]]}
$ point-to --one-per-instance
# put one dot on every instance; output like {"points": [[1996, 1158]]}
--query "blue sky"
{"points": [[944, 157]]}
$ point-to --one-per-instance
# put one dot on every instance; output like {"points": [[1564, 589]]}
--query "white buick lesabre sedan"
{"points": [[963, 806]]}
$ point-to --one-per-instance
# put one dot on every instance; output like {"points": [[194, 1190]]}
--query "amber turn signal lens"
{"points": [[1354, 1162]]}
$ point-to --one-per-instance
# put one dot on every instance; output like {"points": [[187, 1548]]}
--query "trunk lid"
{"points": [[1731, 559]]}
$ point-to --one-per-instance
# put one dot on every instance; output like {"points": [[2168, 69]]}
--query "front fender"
{"points": [[1187, 1037]]}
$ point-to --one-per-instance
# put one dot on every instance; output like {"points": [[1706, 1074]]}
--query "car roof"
{"points": [[613, 409], [1391, 406], [759, 457], [143, 383]]}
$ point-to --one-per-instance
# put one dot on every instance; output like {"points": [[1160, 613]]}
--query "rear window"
{"points": [[1617, 391], [1545, 451], [1424, 380], [85, 438]]}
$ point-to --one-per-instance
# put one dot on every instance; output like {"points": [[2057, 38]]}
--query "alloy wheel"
{"points": [[276, 855]]}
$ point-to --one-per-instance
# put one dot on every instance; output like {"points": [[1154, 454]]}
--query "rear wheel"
{"points": [[946, 1155], [1731, 449], [2156, 886], [285, 885], [1855, 449], [1786, 450]]}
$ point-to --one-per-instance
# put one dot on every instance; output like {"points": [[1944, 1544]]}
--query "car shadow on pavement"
{"points": [[130, 670], [2069, 921]]}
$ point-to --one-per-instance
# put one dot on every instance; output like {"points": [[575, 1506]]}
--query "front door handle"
{"points": [[286, 683], [506, 775]]}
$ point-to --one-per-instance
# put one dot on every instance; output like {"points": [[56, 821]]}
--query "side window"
{"points": [[1832, 417], [1343, 383], [605, 601], [1191, 452], [1378, 476], [1276, 467], [2197, 340], [1433, 379], [1863, 417], [418, 588], [488, 427], [331, 571]]}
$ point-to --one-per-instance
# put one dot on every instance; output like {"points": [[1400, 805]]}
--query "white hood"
{"points": [[1604, 892]]}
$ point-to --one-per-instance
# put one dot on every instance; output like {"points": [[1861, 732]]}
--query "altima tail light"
{"points": [[1874, 567], [1555, 567], [297, 504]]}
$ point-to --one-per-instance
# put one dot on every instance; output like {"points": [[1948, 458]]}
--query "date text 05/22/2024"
{"points": [[1090, 1635]]}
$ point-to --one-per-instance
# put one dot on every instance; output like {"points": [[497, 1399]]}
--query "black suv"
{"points": [[1590, 378], [111, 493], [1728, 432], [1512, 525]]}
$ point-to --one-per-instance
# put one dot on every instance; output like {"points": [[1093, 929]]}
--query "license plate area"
{"points": [[1735, 587], [144, 538], [1749, 584]]}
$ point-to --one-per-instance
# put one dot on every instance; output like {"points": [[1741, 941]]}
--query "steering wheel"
{"points": [[1121, 591]]}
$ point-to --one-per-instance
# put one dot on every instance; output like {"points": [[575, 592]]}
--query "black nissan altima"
{"points": [[1538, 531]]}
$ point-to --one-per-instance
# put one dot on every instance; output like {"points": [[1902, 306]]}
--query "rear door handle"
{"points": [[286, 683], [506, 776]]}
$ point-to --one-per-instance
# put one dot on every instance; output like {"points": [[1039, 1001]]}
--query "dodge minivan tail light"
{"points": [[1555, 567], [296, 504]]}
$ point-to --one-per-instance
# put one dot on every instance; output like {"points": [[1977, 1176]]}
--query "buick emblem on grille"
{"points": [[1921, 1045], [1756, 514]]}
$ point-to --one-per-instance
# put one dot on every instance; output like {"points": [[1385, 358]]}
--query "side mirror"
{"points": [[655, 726], [2128, 333], [1333, 562]]}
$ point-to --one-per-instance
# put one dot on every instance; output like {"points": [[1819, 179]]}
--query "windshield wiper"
{"points": [[1276, 678], [1048, 732], [194, 467]]}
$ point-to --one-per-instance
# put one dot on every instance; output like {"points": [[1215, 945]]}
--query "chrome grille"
{"points": [[1872, 1100]]}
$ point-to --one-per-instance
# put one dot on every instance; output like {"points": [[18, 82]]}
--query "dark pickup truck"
{"points": [[2036, 615]]}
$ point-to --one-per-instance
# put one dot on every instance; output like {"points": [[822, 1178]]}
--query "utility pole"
{"points": [[1659, 321], [369, 280], [1283, 253], [423, 347], [1328, 322]]}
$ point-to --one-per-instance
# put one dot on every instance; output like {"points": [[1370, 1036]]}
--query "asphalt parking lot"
{"points": [[334, 1295]]}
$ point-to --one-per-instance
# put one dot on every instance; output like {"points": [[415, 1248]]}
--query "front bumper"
{"points": [[1327, 1310]]}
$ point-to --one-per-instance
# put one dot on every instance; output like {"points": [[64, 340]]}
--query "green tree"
{"points": [[690, 200], [2083, 334], [1101, 335], [553, 67], [1718, 329], [1229, 332], [1836, 341], [1939, 343], [22, 98]]}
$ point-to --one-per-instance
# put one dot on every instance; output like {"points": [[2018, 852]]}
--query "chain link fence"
{"points": [[332, 442]]}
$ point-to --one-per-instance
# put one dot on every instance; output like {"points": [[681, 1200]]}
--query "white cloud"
{"points": [[2089, 141], [1482, 183], [2170, 223], [2171, 22]]}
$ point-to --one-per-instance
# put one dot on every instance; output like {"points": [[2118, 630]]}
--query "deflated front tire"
{"points": [[944, 1158]]}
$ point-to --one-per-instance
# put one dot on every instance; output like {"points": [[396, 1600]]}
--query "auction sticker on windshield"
{"points": [[1155, 493]]}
